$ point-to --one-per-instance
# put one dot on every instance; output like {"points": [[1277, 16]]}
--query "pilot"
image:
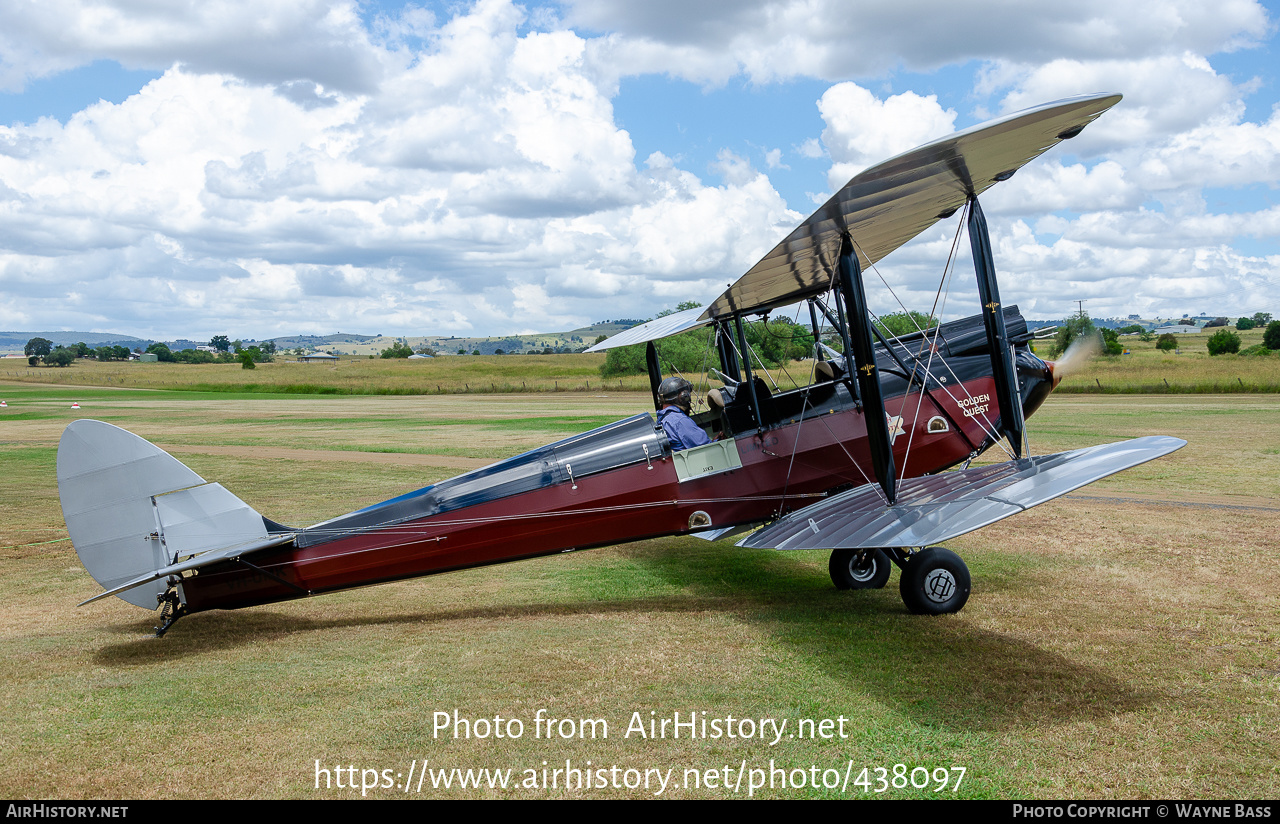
{"points": [[676, 394]]}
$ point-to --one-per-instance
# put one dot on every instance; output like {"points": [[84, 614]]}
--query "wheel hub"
{"points": [[939, 586], [862, 569]]}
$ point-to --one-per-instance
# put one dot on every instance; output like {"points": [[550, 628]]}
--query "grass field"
{"points": [[1188, 369], [1145, 370], [1119, 643]]}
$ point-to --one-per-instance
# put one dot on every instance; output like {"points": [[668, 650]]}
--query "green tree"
{"points": [[1245, 324], [776, 342], [1271, 337], [1076, 326], [61, 356], [38, 347], [680, 307], [896, 324], [397, 350], [1224, 342], [1111, 342], [1167, 342], [623, 360], [162, 352], [1261, 319], [194, 356], [684, 353], [246, 360], [691, 352], [82, 350], [220, 343]]}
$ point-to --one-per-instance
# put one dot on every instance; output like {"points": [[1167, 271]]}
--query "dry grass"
{"points": [[1189, 369], [1145, 370], [1121, 643], [350, 376]]}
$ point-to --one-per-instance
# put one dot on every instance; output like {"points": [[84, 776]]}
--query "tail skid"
{"points": [[139, 518]]}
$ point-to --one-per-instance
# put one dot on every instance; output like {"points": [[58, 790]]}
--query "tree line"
{"points": [[42, 350]]}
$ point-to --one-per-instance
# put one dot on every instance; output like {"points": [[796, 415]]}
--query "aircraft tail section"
{"points": [[137, 515]]}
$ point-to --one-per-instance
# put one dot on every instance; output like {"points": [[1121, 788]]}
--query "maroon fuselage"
{"points": [[784, 467]]}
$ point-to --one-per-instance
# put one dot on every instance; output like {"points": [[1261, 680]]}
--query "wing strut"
{"points": [[1007, 394], [864, 359], [728, 355], [655, 373], [746, 373]]}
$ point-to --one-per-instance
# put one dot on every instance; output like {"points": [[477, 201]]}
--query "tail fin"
{"points": [[133, 511]]}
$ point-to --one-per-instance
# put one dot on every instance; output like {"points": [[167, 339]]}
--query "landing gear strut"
{"points": [[171, 609]]}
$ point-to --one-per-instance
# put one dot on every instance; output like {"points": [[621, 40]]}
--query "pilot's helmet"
{"points": [[676, 391]]}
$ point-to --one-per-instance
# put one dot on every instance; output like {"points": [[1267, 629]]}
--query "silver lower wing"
{"points": [[937, 508]]}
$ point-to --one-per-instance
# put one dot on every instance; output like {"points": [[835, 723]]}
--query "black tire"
{"points": [[935, 582], [859, 568]]}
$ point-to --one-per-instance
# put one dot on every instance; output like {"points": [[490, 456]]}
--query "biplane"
{"points": [[868, 458]]}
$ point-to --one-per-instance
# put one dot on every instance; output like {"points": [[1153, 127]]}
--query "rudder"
{"points": [[133, 509]]}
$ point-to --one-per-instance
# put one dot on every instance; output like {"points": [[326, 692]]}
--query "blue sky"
{"points": [[493, 168]]}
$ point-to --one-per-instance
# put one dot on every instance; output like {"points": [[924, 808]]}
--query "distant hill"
{"points": [[15, 341], [344, 343], [572, 341], [291, 341]]}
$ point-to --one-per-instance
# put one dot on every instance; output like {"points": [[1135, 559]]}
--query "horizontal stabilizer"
{"points": [[936, 508], [195, 562]]}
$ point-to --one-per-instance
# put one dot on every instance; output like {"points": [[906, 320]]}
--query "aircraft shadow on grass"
{"points": [[948, 674]]}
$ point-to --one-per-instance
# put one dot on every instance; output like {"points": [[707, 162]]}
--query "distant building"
{"points": [[318, 357], [1180, 329]]}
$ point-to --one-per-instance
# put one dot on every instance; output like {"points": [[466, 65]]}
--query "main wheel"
{"points": [[859, 568], [934, 582]]}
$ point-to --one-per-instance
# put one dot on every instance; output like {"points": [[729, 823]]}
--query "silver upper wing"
{"points": [[888, 204], [885, 206]]}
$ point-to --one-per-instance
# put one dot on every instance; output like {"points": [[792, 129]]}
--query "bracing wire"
{"points": [[987, 426]]}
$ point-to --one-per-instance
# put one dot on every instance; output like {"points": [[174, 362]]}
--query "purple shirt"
{"points": [[681, 429]]}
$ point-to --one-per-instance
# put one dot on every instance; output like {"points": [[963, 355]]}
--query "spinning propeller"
{"points": [[1082, 350]]}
